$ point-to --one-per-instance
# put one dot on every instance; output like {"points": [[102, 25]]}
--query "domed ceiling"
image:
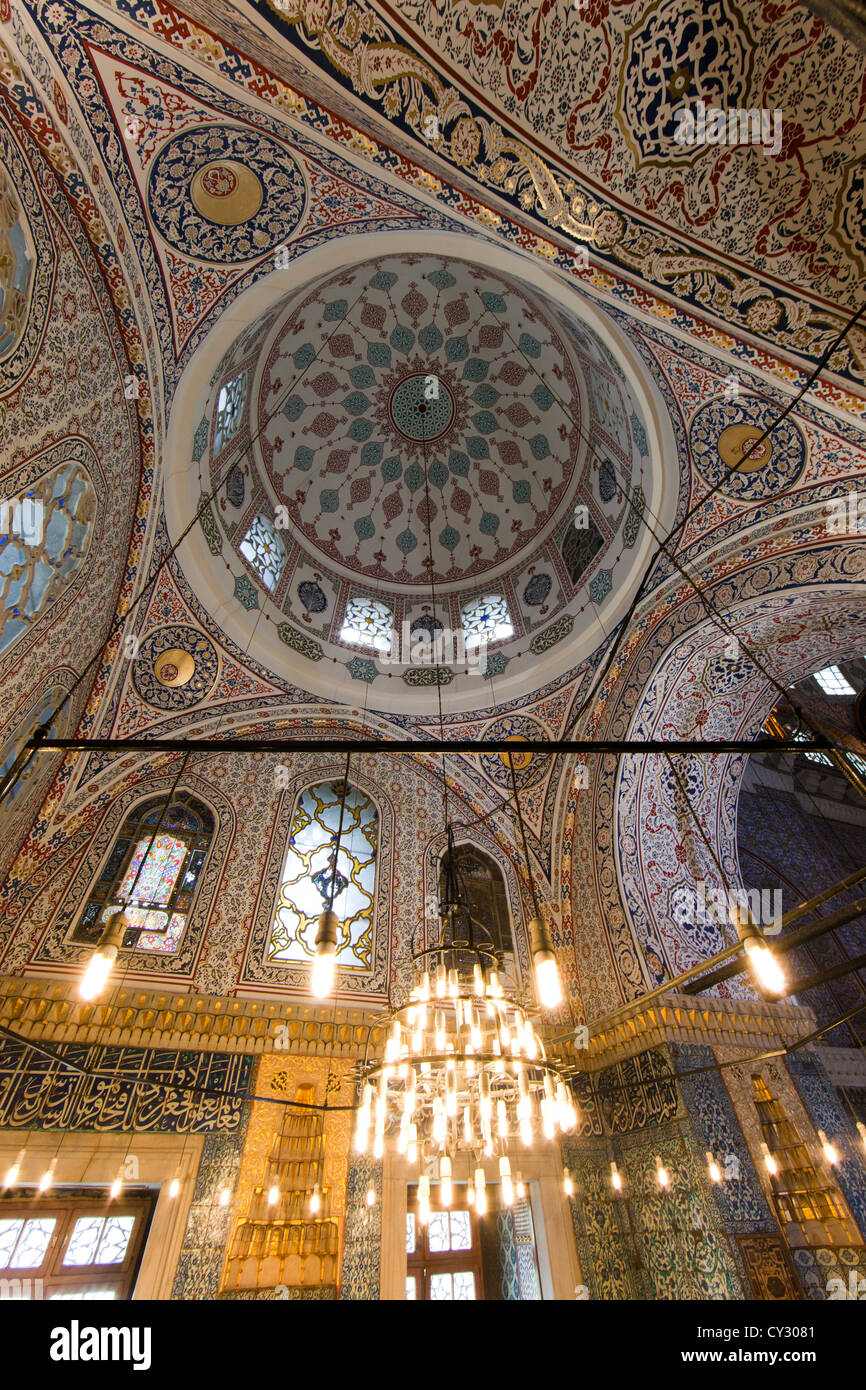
{"points": [[418, 433]]}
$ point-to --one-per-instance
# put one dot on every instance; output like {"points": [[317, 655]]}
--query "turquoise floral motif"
{"points": [[246, 592], [361, 670]]}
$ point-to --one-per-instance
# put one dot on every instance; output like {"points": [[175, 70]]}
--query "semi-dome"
{"points": [[420, 444]]}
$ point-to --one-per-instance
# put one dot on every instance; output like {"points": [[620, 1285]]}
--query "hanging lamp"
{"points": [[328, 927], [464, 1071]]}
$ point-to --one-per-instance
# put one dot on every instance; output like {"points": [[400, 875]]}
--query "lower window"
{"points": [[72, 1245], [443, 1258]]}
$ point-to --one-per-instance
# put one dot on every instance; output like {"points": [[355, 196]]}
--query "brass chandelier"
{"points": [[464, 1070]]}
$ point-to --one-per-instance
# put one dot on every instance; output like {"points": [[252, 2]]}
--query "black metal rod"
{"points": [[427, 745]]}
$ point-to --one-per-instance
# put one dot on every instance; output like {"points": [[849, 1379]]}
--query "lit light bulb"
{"points": [[547, 981], [174, 1187], [501, 1120], [225, 1197], [98, 970], [861, 1130], [470, 1195], [467, 1125], [117, 1186], [412, 1150], [661, 1173], [441, 981], [478, 979], [713, 1168], [480, 1192], [371, 1196], [12, 1173], [766, 967], [315, 1201], [439, 1121], [440, 1030], [47, 1177], [273, 1195], [445, 1191], [425, 986], [615, 1177], [494, 988], [423, 1199], [453, 984], [505, 1181], [520, 1189], [831, 1153], [325, 959], [769, 1161], [567, 1184]]}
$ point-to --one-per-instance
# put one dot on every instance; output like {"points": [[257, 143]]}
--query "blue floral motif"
{"points": [[361, 670], [312, 596]]}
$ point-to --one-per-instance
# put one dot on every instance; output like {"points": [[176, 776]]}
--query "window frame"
{"points": [[133, 828], [423, 1263], [67, 1206]]}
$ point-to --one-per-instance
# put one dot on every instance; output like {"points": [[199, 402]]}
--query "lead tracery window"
{"points": [[368, 623], [308, 870], [486, 620], [263, 547], [159, 906], [230, 411]]}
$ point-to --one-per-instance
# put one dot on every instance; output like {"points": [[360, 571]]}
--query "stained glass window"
{"points": [[160, 902], [230, 411], [486, 620], [368, 623], [309, 866], [263, 547], [44, 537]]}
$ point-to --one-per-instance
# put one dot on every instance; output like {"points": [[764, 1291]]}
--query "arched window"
{"points": [[368, 623], [263, 547], [230, 411], [167, 884], [486, 620], [482, 888], [308, 869], [44, 537]]}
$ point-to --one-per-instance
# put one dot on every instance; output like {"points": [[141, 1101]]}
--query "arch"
{"points": [[157, 883], [484, 890]]}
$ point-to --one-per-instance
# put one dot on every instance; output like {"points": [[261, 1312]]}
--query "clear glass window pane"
{"points": [[487, 620], [461, 1230], [115, 1239], [438, 1237], [230, 411], [464, 1285], [33, 1243], [84, 1240], [441, 1288], [263, 547], [368, 623], [410, 1233], [410, 1287], [832, 682], [90, 1293], [9, 1232]]}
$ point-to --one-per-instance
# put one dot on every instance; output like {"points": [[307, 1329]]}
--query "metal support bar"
{"points": [[425, 745], [786, 943]]}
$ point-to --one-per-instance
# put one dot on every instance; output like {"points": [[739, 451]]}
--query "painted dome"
{"points": [[419, 443]]}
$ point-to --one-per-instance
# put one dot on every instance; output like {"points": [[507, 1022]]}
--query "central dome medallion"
{"points": [[432, 427], [421, 407]]}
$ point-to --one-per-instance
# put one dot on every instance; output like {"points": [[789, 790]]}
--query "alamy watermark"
{"points": [[846, 516], [718, 906], [444, 647], [23, 517], [710, 125]]}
